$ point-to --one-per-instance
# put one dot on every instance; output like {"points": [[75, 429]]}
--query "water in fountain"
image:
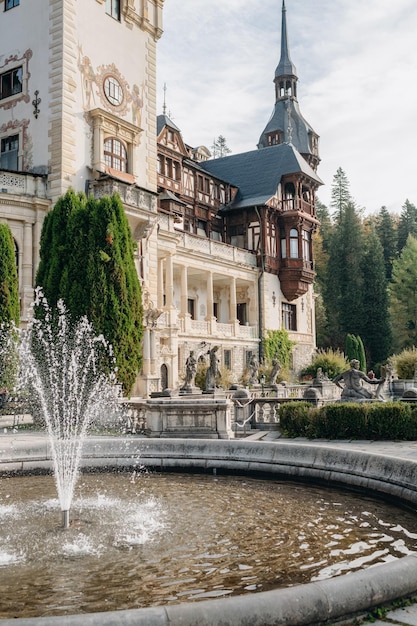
{"points": [[62, 369], [145, 539]]}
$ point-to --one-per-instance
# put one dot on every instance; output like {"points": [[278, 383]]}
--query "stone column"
{"points": [[160, 285], [209, 295], [232, 301], [27, 269], [146, 351], [169, 287], [184, 291]]}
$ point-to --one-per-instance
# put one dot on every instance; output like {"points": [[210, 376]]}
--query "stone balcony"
{"points": [[205, 246], [211, 329], [23, 184]]}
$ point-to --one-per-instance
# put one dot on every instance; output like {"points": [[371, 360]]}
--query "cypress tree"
{"points": [[9, 290], [9, 310], [352, 348], [95, 273], [56, 249]]}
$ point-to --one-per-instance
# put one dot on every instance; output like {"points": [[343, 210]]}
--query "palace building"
{"points": [[224, 246]]}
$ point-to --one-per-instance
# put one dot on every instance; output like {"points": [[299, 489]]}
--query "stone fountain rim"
{"points": [[317, 602]]}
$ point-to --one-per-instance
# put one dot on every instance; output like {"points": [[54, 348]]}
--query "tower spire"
{"points": [[285, 66]]}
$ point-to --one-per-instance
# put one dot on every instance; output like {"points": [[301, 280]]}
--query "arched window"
{"points": [[115, 154], [293, 243]]}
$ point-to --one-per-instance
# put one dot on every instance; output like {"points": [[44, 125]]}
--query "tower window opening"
{"points": [[115, 154], [113, 8]]}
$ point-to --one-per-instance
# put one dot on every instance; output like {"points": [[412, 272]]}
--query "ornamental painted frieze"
{"points": [[107, 88]]}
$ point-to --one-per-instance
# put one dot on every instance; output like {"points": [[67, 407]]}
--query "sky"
{"points": [[356, 64]]}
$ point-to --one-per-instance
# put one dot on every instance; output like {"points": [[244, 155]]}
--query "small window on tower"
{"points": [[10, 4], [113, 8]]}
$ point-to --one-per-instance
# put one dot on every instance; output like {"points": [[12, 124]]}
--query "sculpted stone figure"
{"points": [[190, 372], [213, 371], [276, 366], [253, 366], [353, 388]]}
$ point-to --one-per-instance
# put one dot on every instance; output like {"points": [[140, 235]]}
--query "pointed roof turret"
{"points": [[286, 124], [285, 66]]}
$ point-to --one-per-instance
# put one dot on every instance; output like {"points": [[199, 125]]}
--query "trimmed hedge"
{"points": [[350, 420]]}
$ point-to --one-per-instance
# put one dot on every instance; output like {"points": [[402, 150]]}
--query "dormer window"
{"points": [[274, 138]]}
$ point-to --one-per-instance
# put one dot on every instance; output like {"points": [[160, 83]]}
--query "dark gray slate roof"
{"points": [[258, 173], [163, 120], [278, 121]]}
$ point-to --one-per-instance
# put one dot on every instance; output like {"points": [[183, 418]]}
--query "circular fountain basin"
{"points": [[314, 602]]}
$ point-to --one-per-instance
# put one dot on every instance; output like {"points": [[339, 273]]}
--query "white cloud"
{"points": [[357, 74]]}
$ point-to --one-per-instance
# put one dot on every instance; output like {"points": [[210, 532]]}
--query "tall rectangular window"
{"points": [[191, 308], [9, 152], [289, 316], [113, 8], [227, 359], [9, 4], [11, 82]]}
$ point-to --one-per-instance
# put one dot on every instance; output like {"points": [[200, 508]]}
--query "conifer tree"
{"points": [[388, 236], [9, 310], [403, 297], [407, 224], [344, 284], [351, 349], [9, 290], [95, 273], [376, 330], [340, 192]]}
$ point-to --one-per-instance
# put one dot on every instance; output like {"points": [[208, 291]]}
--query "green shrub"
{"points": [[405, 363], [295, 418], [391, 420], [342, 420], [332, 362], [350, 420]]}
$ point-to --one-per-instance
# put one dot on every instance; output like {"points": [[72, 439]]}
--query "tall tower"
{"points": [[77, 109], [287, 125]]}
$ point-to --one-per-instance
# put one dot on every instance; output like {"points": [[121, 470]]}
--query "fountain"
{"points": [[60, 368]]}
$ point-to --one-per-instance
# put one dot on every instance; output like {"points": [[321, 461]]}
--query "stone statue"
{"points": [[276, 366], [253, 366], [190, 372], [352, 388], [213, 371]]}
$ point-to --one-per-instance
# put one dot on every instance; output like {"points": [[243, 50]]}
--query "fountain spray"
{"points": [[64, 368]]}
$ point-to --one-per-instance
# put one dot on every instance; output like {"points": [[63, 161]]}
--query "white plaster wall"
{"points": [[25, 28]]}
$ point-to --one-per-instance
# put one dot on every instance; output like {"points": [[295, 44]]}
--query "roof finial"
{"points": [[164, 106]]}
